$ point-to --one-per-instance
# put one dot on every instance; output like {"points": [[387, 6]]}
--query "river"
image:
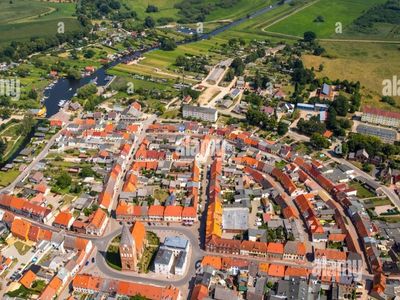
{"points": [[64, 89]]}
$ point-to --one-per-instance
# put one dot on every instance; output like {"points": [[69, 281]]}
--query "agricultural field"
{"points": [[166, 9], [24, 19], [321, 17], [370, 63]]}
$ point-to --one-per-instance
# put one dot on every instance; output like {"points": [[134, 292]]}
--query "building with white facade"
{"points": [[200, 113]]}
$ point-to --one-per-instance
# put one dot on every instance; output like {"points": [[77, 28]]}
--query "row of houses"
{"points": [[47, 240], [92, 285], [156, 213], [186, 215], [291, 250]]}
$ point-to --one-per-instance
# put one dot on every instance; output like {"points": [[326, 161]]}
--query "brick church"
{"points": [[132, 245]]}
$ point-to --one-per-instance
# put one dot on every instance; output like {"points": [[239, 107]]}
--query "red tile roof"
{"points": [[173, 211], [380, 112]]}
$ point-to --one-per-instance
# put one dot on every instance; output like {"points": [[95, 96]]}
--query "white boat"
{"points": [[61, 103]]}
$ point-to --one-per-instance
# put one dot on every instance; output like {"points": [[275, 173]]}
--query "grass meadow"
{"points": [[332, 11], [370, 63], [24, 19]]}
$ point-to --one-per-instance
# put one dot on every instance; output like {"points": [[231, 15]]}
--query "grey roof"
{"points": [[344, 168], [181, 259], [291, 247], [163, 257], [260, 285], [126, 236], [199, 109], [292, 289], [222, 293], [383, 133], [176, 242], [235, 218]]}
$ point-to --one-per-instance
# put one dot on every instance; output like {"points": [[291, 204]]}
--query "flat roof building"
{"points": [[201, 113], [386, 135]]}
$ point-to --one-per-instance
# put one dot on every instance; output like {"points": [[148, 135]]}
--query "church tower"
{"points": [[127, 250]]}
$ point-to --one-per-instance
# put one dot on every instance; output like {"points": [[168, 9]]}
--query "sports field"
{"points": [[24, 19]]}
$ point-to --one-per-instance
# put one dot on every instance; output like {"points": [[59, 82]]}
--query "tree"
{"points": [[331, 122], [87, 90], [63, 180], [27, 124], [341, 105], [366, 167], [230, 75], [73, 74], [319, 142], [149, 22], [283, 128], [86, 172], [319, 19], [3, 147], [167, 44], [238, 66], [89, 53], [311, 126], [33, 94], [151, 8], [309, 36], [389, 100]]}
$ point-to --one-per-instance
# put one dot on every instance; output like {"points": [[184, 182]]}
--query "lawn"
{"points": [[362, 192], [161, 195], [7, 177], [21, 247], [152, 239], [171, 114], [147, 257], [332, 11], [22, 293], [380, 201], [113, 258], [369, 63]]}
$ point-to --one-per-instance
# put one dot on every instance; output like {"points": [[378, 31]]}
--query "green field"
{"points": [[166, 9], [332, 11], [369, 63], [24, 19]]}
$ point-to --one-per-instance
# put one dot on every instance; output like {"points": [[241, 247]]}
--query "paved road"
{"points": [[196, 254], [388, 191], [120, 182], [38, 158]]}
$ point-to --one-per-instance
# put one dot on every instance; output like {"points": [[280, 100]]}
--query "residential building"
{"points": [[201, 113], [381, 117], [163, 261]]}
